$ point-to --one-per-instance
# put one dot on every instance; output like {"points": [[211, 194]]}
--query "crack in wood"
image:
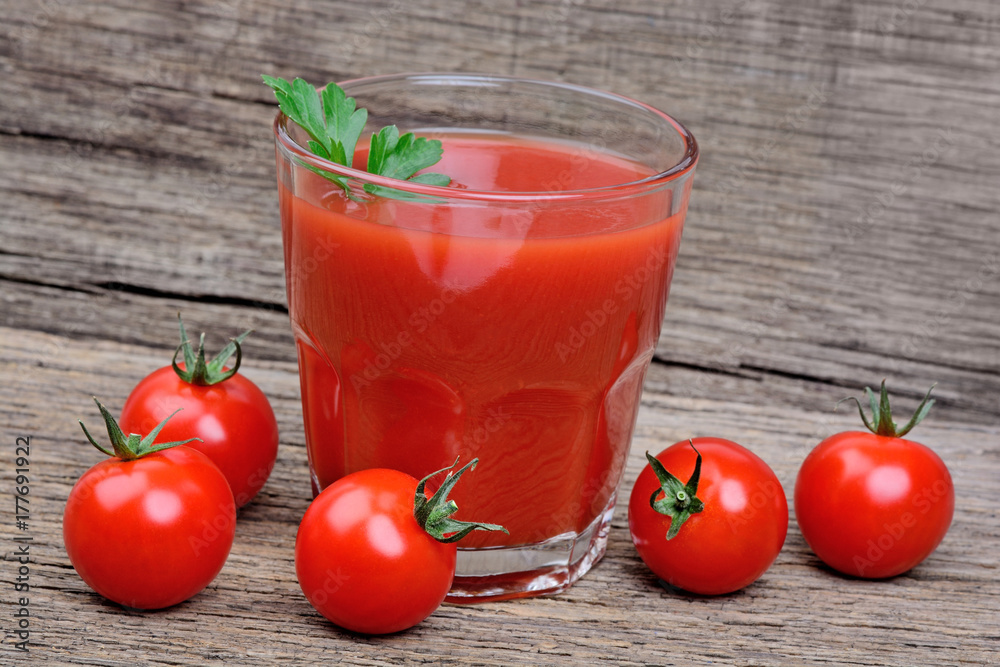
{"points": [[201, 298], [42, 283], [150, 292], [178, 158]]}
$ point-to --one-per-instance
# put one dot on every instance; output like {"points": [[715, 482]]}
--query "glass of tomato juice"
{"points": [[510, 316]]}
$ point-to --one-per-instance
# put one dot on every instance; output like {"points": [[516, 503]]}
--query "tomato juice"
{"points": [[517, 331]]}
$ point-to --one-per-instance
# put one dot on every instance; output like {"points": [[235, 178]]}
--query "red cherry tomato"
{"points": [[362, 559], [233, 418], [733, 540], [374, 554], [871, 505], [150, 532], [230, 414]]}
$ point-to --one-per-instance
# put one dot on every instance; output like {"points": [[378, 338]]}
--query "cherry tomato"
{"points": [[732, 518], [228, 412], [362, 559], [150, 532], [371, 561], [871, 505]]}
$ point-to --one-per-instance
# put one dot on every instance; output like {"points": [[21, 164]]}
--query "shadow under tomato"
{"points": [[117, 608], [680, 592], [651, 581], [815, 562], [361, 637]]}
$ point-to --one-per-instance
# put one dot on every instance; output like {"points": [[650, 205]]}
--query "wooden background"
{"points": [[843, 228]]}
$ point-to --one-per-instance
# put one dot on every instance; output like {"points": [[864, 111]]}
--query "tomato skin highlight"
{"points": [[873, 506], [233, 418], [152, 532], [362, 559], [737, 536]]}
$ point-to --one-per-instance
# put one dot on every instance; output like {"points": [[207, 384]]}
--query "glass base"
{"points": [[505, 573]]}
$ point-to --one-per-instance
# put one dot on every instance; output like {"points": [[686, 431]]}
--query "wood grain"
{"points": [[843, 228]]}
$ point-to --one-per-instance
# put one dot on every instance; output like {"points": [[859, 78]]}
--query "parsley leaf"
{"points": [[344, 122], [298, 100], [334, 125], [401, 156]]}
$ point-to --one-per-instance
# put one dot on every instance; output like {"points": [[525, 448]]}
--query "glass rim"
{"points": [[677, 171]]}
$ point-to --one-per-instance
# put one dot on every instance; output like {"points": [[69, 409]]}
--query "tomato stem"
{"points": [[196, 370], [434, 514], [881, 422], [679, 500], [133, 446]]}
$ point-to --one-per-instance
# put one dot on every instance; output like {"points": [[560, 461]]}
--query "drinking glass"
{"points": [[509, 316]]}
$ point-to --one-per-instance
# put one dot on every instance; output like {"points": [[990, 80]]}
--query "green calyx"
{"points": [[196, 370], [133, 446], [434, 514], [881, 422], [679, 500]]}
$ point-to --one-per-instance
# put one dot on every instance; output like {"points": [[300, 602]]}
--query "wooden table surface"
{"points": [[843, 228]]}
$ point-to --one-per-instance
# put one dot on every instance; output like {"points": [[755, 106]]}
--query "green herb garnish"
{"points": [[334, 125]]}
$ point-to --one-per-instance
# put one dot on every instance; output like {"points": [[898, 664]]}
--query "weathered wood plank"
{"points": [[616, 613]]}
